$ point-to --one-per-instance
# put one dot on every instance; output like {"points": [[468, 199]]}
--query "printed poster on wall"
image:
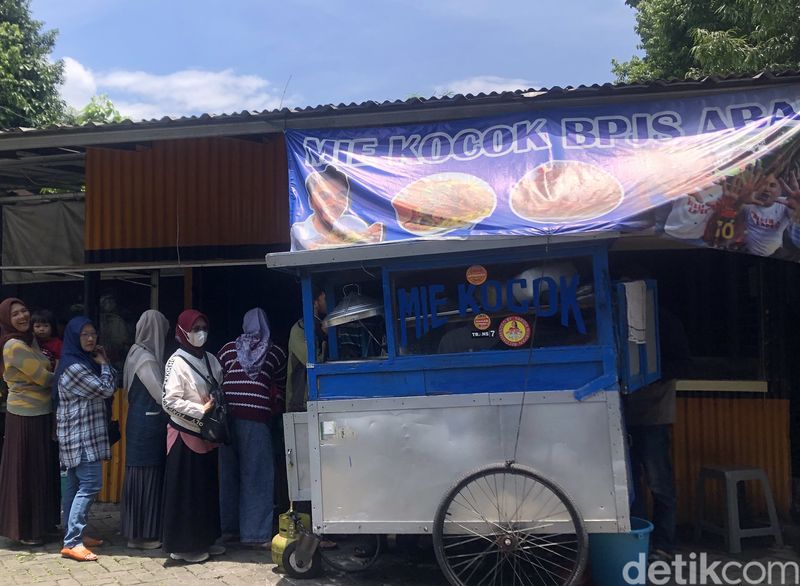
{"points": [[715, 170]]}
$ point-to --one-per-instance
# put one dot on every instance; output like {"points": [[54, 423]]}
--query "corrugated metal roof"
{"points": [[53, 157], [522, 96]]}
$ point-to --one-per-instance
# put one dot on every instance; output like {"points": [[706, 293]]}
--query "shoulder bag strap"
{"points": [[210, 381], [214, 382]]}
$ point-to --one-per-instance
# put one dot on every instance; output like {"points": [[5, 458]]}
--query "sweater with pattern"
{"points": [[258, 399]]}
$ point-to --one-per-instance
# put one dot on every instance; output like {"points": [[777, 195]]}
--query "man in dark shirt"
{"points": [[650, 415]]}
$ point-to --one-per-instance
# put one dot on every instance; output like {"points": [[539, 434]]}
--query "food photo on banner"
{"points": [[719, 171]]}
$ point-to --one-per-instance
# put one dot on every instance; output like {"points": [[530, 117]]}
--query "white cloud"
{"points": [[142, 95], [484, 84], [79, 84]]}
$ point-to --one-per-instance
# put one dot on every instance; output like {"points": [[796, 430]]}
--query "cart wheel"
{"points": [[298, 570], [353, 553], [509, 525]]}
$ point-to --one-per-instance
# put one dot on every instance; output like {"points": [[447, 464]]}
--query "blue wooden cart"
{"points": [[478, 401]]}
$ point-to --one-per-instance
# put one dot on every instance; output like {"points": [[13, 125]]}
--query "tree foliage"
{"points": [[99, 110], [29, 81], [695, 38]]}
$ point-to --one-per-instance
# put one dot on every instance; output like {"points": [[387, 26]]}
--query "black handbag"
{"points": [[214, 426], [114, 433]]}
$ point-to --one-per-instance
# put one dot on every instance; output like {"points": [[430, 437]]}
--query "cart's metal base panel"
{"points": [[384, 465], [295, 431]]}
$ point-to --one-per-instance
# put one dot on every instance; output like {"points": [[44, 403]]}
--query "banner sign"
{"points": [[715, 170]]}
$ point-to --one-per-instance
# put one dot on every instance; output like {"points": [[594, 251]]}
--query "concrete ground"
{"points": [[239, 566]]}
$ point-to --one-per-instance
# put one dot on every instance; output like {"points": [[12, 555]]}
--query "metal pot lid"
{"points": [[353, 307]]}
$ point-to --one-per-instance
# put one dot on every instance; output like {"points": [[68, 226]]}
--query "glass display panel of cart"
{"points": [[500, 306], [353, 325]]}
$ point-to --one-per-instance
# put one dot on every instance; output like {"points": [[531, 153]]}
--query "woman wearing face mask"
{"points": [[146, 434], [84, 380], [28, 495], [191, 522]]}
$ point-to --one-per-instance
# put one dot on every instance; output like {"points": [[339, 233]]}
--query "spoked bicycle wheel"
{"points": [[352, 553], [507, 525]]}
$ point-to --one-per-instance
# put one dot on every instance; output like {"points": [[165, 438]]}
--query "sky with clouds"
{"points": [[157, 58]]}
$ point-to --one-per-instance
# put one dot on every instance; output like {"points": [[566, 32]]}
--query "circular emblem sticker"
{"points": [[476, 275], [482, 322], [514, 331]]}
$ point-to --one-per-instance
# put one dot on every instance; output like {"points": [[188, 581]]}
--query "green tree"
{"points": [[99, 110], [694, 38], [29, 81]]}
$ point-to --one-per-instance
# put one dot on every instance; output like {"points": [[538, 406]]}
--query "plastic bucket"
{"points": [[610, 552]]}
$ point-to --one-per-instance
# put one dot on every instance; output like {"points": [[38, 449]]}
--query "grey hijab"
{"points": [[148, 349]]}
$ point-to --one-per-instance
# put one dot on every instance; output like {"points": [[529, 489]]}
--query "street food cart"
{"points": [[489, 416], [476, 346]]}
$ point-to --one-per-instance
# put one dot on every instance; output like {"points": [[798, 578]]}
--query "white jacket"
{"points": [[185, 391]]}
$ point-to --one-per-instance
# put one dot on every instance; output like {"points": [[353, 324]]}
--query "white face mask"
{"points": [[196, 339]]}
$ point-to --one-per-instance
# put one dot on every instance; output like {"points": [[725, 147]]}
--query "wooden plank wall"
{"points": [[731, 431]]}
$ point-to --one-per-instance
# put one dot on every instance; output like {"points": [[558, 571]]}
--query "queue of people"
{"points": [[181, 492]]}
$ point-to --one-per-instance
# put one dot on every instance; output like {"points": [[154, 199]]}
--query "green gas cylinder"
{"points": [[289, 531]]}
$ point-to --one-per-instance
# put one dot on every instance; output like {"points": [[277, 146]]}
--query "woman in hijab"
{"points": [[146, 434], [191, 487], [28, 472], [254, 384], [84, 380]]}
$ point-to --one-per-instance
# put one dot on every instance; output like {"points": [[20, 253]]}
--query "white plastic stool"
{"points": [[731, 529]]}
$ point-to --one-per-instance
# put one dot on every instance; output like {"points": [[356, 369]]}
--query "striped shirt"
{"points": [[258, 399], [82, 424]]}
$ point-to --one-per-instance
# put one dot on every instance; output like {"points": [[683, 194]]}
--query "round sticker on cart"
{"points": [[514, 331], [482, 322], [476, 275]]}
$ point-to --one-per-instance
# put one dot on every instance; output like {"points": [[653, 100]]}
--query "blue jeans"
{"points": [[247, 476], [651, 463], [84, 482]]}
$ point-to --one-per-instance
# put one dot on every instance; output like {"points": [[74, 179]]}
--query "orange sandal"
{"points": [[92, 542], [79, 553]]}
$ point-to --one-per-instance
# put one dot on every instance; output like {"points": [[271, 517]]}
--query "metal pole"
{"points": [[90, 301], [155, 276], [187, 288]]}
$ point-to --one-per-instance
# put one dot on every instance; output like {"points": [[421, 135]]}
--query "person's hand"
{"points": [[750, 183], [791, 186], [731, 190], [99, 355], [208, 405], [742, 188]]}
